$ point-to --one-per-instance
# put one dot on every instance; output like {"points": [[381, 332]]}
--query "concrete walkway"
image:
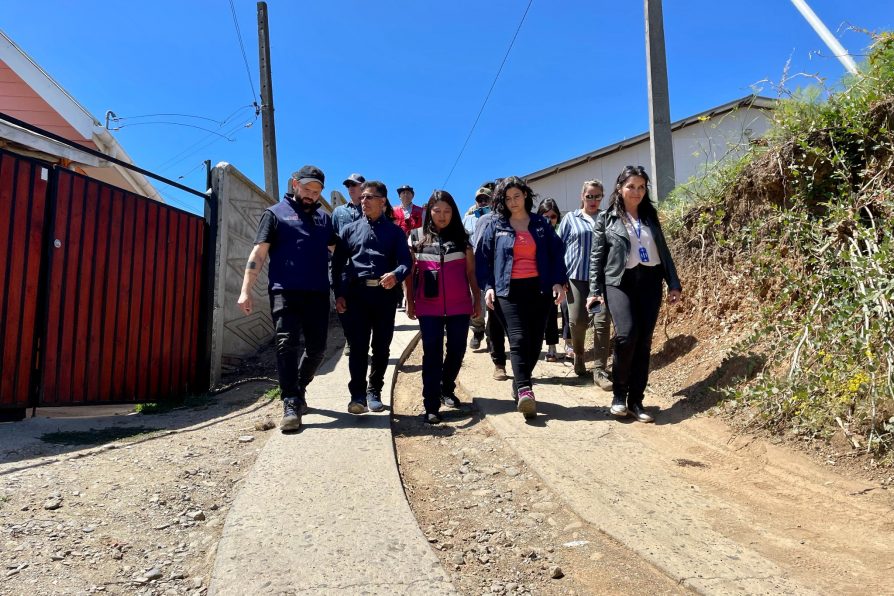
{"points": [[324, 510]]}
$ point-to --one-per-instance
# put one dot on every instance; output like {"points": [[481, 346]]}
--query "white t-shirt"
{"points": [[645, 240]]}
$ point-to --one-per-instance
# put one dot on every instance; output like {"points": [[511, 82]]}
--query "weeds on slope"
{"points": [[801, 226]]}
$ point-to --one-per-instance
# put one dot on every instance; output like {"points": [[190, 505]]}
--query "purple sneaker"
{"points": [[526, 404]]}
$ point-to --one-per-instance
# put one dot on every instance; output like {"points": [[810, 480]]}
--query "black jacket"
{"points": [[611, 245]]}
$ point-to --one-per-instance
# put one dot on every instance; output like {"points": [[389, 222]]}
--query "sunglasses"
{"points": [[593, 197], [370, 197]]}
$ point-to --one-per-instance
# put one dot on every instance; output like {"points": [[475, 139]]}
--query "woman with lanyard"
{"points": [[443, 293], [520, 263], [628, 262]]}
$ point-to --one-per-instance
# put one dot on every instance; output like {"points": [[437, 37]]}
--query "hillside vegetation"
{"points": [[794, 243]]}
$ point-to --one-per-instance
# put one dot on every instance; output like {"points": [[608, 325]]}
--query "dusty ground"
{"points": [[827, 526], [493, 523], [126, 504]]}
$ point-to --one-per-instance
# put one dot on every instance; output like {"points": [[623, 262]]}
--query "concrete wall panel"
{"points": [[236, 336]]}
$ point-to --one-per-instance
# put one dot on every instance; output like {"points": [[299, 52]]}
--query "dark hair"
{"points": [[380, 189], [377, 186], [455, 231], [647, 209], [490, 185], [549, 204], [499, 202]]}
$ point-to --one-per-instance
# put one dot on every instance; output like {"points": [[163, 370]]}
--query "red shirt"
{"points": [[408, 223], [524, 256]]}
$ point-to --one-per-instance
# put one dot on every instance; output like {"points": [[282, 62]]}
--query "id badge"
{"points": [[643, 254]]}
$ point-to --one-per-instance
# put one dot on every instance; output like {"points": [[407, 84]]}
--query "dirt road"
{"points": [[715, 512]]}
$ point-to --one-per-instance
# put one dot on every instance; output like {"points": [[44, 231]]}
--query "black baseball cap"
{"points": [[309, 174], [400, 189], [354, 179]]}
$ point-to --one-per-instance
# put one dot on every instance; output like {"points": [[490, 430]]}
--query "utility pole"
{"points": [[660, 136], [271, 175]]}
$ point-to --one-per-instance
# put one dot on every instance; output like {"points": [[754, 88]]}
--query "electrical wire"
{"points": [[190, 149], [117, 118], [489, 91], [209, 131], [242, 48]]}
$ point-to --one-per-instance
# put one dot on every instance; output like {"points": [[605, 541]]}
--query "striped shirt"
{"points": [[576, 231]]}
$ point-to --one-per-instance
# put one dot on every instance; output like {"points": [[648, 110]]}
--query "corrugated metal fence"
{"points": [[100, 294]]}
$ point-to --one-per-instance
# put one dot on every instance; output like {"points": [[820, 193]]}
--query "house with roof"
{"points": [[699, 141], [28, 93]]}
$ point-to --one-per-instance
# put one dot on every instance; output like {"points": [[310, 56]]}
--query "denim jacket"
{"points": [[611, 244], [494, 254]]}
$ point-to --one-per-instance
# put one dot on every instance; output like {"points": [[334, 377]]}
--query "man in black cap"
{"points": [[296, 234], [370, 262], [345, 214]]}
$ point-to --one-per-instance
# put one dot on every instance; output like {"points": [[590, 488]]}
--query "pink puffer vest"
{"points": [[441, 286]]}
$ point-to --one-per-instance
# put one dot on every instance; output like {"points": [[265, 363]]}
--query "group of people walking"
{"points": [[504, 269]]}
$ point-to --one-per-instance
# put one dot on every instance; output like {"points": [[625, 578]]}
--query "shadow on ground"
{"points": [[705, 394]]}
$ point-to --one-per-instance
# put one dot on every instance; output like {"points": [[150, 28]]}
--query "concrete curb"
{"points": [[324, 510]]}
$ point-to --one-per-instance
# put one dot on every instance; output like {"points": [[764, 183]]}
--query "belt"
{"points": [[369, 282]]}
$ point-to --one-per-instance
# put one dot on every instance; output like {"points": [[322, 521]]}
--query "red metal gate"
{"points": [[23, 197], [118, 313]]}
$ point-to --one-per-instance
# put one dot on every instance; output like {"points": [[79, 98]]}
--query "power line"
{"points": [[242, 48], [190, 149], [117, 118], [209, 131], [489, 91]]}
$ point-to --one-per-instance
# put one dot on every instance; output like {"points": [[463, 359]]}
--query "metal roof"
{"points": [[749, 101]]}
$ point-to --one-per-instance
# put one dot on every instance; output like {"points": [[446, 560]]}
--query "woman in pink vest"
{"points": [[442, 293]]}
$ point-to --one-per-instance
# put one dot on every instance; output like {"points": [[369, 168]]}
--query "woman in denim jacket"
{"points": [[520, 264], [628, 262], [443, 293]]}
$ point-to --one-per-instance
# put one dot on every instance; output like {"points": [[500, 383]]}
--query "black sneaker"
{"points": [[619, 407], [374, 401], [450, 400], [432, 418], [475, 343], [291, 415], [640, 413]]}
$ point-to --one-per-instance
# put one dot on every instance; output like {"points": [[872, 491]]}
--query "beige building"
{"points": [[699, 141]]}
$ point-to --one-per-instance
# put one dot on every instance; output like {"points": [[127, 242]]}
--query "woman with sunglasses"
{"points": [[550, 210], [576, 231], [519, 260], [443, 294], [628, 262]]}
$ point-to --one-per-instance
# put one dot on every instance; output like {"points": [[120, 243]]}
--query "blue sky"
{"points": [[390, 88]]}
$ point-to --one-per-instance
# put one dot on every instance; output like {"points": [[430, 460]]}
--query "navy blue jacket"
{"points": [[369, 250], [494, 254]]}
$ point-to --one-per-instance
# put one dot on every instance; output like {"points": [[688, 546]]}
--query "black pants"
{"points": [[634, 307], [496, 338], [552, 323], [523, 314], [439, 370], [368, 323], [295, 312]]}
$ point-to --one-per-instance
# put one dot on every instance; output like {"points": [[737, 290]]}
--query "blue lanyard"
{"points": [[638, 230]]}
